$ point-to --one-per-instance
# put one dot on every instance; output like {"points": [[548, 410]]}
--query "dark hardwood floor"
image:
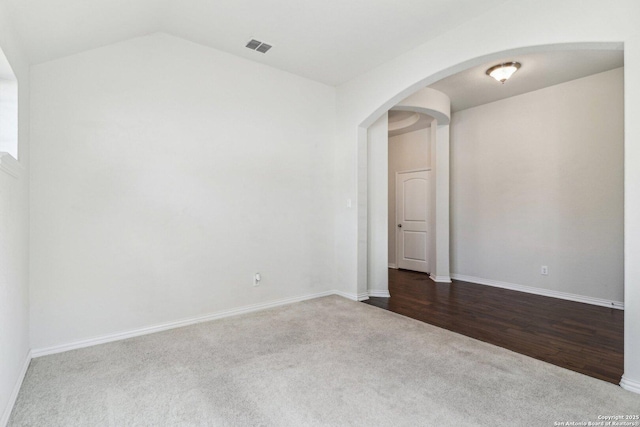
{"points": [[581, 337]]}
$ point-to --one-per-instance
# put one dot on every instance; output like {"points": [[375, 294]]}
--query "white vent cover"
{"points": [[258, 45]]}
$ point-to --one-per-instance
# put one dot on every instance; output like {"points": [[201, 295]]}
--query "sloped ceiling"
{"points": [[331, 41]]}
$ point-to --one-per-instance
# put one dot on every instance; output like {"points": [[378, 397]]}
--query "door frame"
{"points": [[430, 210]]}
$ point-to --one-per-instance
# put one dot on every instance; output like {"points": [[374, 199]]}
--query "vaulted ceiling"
{"points": [[331, 41]]}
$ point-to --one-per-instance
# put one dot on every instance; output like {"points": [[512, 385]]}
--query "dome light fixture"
{"points": [[502, 72]]}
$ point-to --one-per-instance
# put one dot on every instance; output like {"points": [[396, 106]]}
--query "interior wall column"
{"points": [[363, 243], [440, 202], [377, 206], [433, 259], [631, 377]]}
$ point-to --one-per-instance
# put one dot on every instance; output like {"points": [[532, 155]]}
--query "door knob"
{"points": [[399, 225]]}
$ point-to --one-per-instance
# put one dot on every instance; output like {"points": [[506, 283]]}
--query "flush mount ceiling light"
{"points": [[502, 72]]}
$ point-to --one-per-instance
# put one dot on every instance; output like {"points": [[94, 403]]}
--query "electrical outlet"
{"points": [[544, 270]]}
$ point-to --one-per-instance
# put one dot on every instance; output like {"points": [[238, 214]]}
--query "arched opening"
{"points": [[425, 236], [482, 60]]}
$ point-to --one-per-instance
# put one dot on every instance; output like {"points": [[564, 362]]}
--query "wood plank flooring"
{"points": [[581, 337]]}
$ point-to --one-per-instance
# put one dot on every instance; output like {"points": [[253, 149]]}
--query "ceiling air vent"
{"points": [[258, 45], [263, 48]]}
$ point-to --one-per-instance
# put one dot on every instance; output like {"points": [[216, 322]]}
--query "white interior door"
{"points": [[412, 220]]}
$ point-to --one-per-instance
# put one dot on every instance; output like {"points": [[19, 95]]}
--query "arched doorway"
{"points": [[453, 70]]}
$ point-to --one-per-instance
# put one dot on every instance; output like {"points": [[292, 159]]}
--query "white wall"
{"points": [[9, 116], [362, 100], [537, 179], [14, 231], [165, 174], [407, 151], [631, 377], [377, 171]]}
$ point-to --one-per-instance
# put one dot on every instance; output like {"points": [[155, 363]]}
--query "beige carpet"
{"points": [[328, 361]]}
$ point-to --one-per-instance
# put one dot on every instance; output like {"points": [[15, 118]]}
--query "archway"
{"points": [[432, 79], [434, 104]]}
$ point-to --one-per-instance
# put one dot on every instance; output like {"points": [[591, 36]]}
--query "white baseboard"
{"points": [[363, 296], [180, 323], [629, 384], [352, 297], [539, 291], [440, 279], [383, 294], [16, 389], [395, 267]]}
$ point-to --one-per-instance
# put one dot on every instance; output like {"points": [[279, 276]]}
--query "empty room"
{"points": [[199, 212]]}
